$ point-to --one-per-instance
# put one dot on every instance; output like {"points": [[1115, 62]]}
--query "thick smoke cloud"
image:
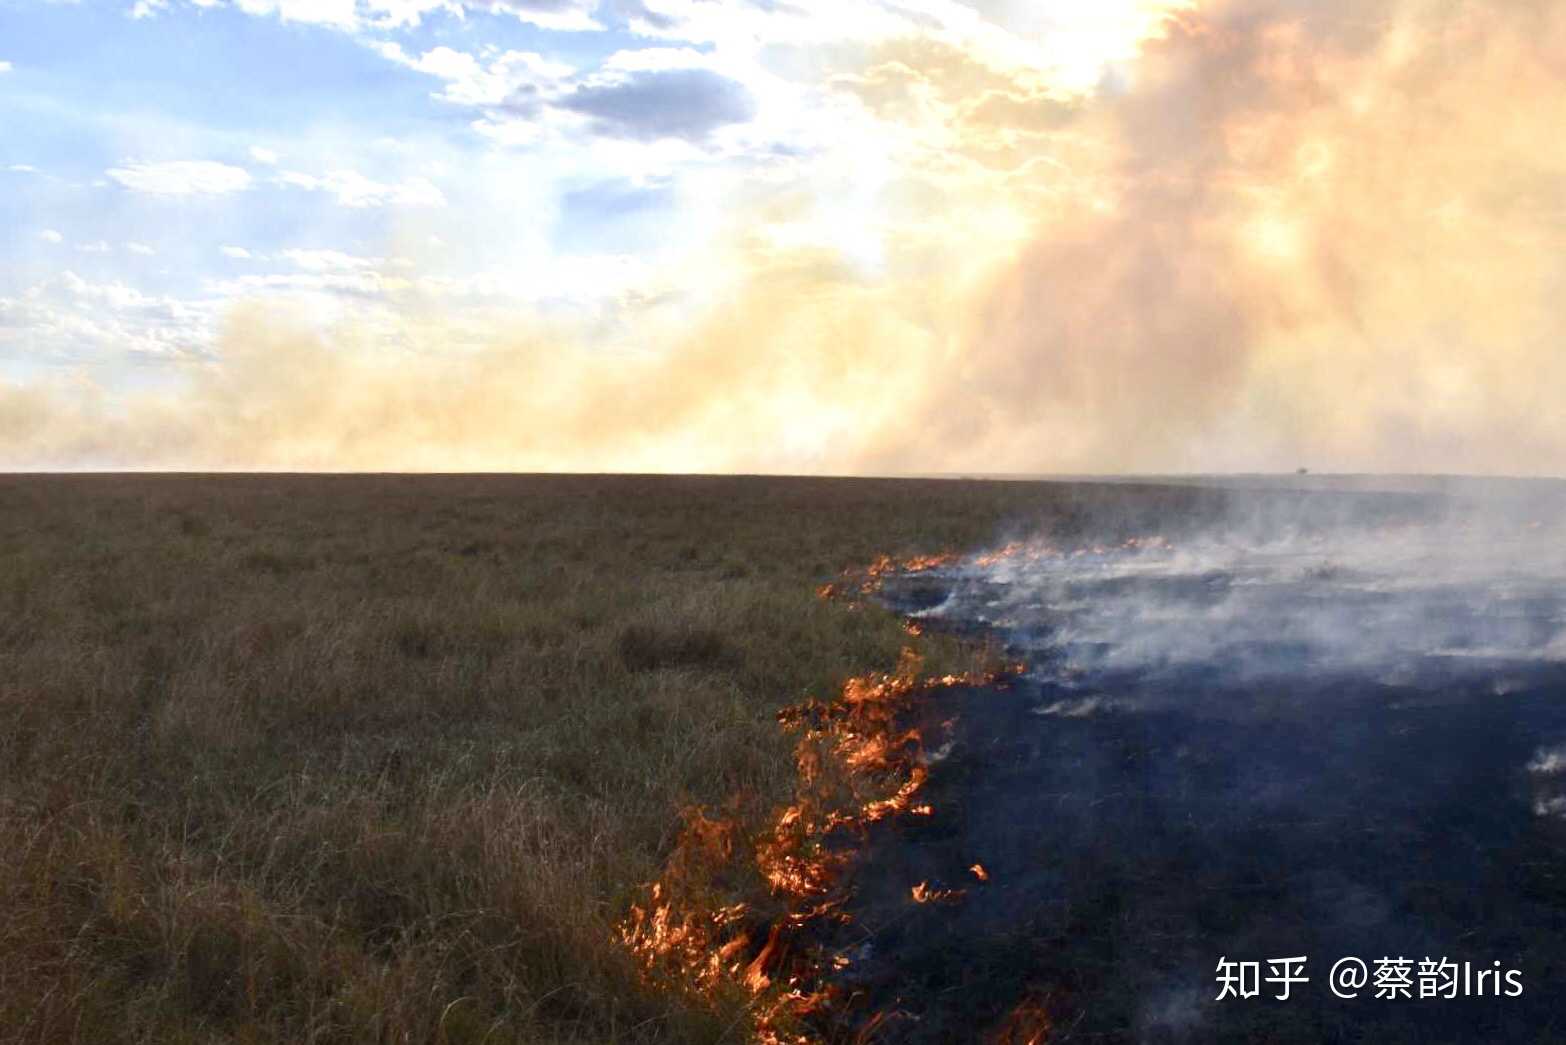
{"points": [[1323, 234], [1327, 233]]}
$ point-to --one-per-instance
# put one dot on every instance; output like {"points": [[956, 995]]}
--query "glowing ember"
{"points": [[922, 893], [1028, 1024]]}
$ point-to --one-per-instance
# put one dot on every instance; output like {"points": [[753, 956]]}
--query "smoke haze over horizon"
{"points": [[907, 237]]}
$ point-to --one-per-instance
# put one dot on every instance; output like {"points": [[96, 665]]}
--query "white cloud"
{"points": [[353, 189], [95, 247], [51, 236], [181, 178], [329, 260], [641, 111], [802, 21], [22, 168], [68, 317], [140, 248], [655, 59], [649, 95], [266, 156], [337, 13], [5, 67], [584, 280], [350, 284], [394, 14], [559, 15], [238, 253], [469, 82]]}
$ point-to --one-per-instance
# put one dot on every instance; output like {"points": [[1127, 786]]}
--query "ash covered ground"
{"points": [[1289, 734]]}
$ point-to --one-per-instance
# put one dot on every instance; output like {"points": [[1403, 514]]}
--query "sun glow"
{"points": [[1085, 41], [1275, 237]]}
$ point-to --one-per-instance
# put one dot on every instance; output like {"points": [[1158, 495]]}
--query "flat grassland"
{"points": [[386, 758]]}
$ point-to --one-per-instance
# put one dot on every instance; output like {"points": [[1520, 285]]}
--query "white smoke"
{"points": [[1470, 589]]}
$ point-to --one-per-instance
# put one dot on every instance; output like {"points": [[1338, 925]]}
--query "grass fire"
{"points": [[582, 759], [399, 758], [825, 522]]}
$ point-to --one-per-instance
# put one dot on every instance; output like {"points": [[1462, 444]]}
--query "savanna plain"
{"points": [[389, 758]]}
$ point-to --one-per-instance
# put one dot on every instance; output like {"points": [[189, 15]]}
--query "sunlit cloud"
{"points": [[181, 178], [352, 189]]}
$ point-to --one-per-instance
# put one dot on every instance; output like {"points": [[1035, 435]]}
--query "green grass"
{"points": [[384, 759]]}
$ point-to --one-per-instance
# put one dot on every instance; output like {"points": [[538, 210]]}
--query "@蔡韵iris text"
{"points": [[1389, 979]]}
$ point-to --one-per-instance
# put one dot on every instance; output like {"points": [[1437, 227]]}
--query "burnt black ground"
{"points": [[1127, 853], [1140, 822]]}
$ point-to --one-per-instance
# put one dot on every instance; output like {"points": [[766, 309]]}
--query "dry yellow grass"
{"points": [[383, 759]]}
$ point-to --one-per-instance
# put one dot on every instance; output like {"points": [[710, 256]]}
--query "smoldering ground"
{"points": [[1326, 727]]}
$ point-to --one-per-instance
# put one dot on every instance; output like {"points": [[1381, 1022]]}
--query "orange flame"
{"points": [[867, 580], [1027, 1024], [856, 765], [855, 741]]}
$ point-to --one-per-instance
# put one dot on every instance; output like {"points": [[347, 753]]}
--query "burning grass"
{"points": [[389, 758], [858, 765]]}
